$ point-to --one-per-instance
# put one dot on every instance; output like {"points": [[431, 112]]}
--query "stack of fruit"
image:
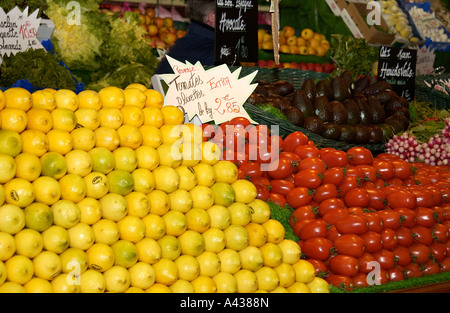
{"points": [[95, 197]]}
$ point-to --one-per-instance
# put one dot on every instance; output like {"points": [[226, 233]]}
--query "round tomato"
{"points": [[372, 241], [386, 258], [374, 221], [334, 175], [391, 218], [420, 253], [277, 199], [359, 156], [404, 236], [325, 191], [294, 139], [344, 265], [306, 151], [402, 256], [384, 169], [352, 224], [317, 248], [422, 234], [283, 170], [316, 228], [401, 199], [389, 239], [349, 244], [334, 158], [357, 197], [299, 196]]}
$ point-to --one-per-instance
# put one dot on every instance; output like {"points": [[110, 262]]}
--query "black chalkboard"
{"points": [[236, 31], [397, 66]]}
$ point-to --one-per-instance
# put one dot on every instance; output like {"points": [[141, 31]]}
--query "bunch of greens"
{"points": [[425, 120], [352, 54], [8, 5], [39, 67]]}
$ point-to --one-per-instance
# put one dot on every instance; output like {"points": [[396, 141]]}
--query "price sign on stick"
{"points": [[215, 94]]}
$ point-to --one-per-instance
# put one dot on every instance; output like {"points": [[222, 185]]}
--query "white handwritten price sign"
{"points": [[215, 94], [18, 31]]}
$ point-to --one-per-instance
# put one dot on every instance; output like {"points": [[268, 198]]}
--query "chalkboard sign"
{"points": [[397, 66], [236, 31]]}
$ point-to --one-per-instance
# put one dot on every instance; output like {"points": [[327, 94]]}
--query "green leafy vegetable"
{"points": [[265, 107], [8, 5], [282, 215]]}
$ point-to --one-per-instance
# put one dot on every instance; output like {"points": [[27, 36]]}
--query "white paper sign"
{"points": [[425, 61], [18, 31], [215, 94]]}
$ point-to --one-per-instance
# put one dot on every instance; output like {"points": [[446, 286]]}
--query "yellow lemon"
{"points": [[64, 119], [260, 211], [319, 285], [198, 220], [132, 115], [103, 159], [88, 118], [12, 219], [56, 239], [176, 223], [66, 283], [298, 287], [38, 285], [304, 271], [66, 99], [275, 231], [138, 204], [226, 171], [166, 272], [112, 97], [192, 154], [167, 178], [134, 97], [188, 177], [155, 227], [224, 194], [214, 240], [38, 216], [100, 257], [81, 236], [73, 259], [29, 243], [39, 119], [151, 136], [147, 157], [106, 231], [7, 246], [171, 133], [106, 137], [34, 142], [273, 255], [142, 275], [12, 287], [125, 253], [29, 166], [19, 191], [206, 176], [153, 117], [244, 190], [131, 228], [267, 278], [13, 119], [241, 213], [168, 155], [47, 189], [10, 143], [144, 180], [2, 195], [291, 251], [286, 274], [114, 206], [54, 165], [149, 251], [60, 141], [97, 185], [158, 288], [192, 243], [209, 263], [19, 269], [73, 187], [170, 247], [154, 98], [117, 279], [79, 162], [251, 258], [17, 97], [139, 86], [90, 210], [180, 200], [47, 265], [225, 282], [8, 168], [211, 153], [202, 197], [125, 159], [192, 133], [110, 117], [246, 281], [129, 136], [257, 234], [172, 115], [230, 261], [89, 99], [220, 216], [92, 281], [182, 286], [66, 213], [188, 267], [83, 138], [120, 182], [236, 237], [159, 202], [43, 99], [204, 284]]}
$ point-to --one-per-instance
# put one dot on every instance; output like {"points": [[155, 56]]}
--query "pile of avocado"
{"points": [[339, 108]]}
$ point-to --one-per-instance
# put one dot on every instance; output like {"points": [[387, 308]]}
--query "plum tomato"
{"points": [[412, 270], [422, 234], [401, 199], [316, 228], [349, 244], [364, 263], [320, 267], [384, 169], [407, 217], [402, 256], [330, 204], [240, 121], [402, 169], [277, 199], [420, 253], [306, 211], [294, 139], [377, 200], [281, 186], [314, 163], [298, 226], [369, 172], [295, 159], [359, 156], [360, 280], [374, 221], [430, 268], [372, 241], [262, 192], [424, 197], [438, 250], [249, 170], [344, 265], [282, 170], [389, 239], [317, 248], [440, 232], [306, 151], [385, 258], [425, 216], [404, 236], [208, 131], [352, 224], [396, 274], [324, 192], [348, 184], [340, 281], [330, 217], [334, 158], [299, 196], [332, 233], [391, 218], [308, 178], [357, 197], [334, 175]]}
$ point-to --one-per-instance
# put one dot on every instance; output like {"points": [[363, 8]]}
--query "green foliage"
{"points": [[8, 5], [265, 107], [282, 215]]}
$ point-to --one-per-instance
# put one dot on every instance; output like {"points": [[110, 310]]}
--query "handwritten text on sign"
{"points": [[211, 95], [18, 31]]}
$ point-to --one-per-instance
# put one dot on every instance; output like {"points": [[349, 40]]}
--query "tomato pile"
{"points": [[360, 219]]}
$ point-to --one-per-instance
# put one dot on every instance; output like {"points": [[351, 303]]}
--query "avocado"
{"points": [[376, 109], [377, 87], [331, 131], [261, 90], [376, 134], [386, 96], [314, 124], [404, 121], [272, 90], [322, 109], [294, 115], [362, 134], [403, 111], [284, 87], [392, 105], [348, 134], [340, 88], [282, 102], [348, 77], [310, 89], [365, 114], [396, 124], [256, 98], [324, 89], [362, 83], [339, 113], [353, 111], [301, 101]]}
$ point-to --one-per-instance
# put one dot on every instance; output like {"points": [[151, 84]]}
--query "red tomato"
{"points": [[352, 224], [376, 199], [404, 236], [386, 258], [262, 192], [306, 151], [374, 221], [402, 169], [420, 253], [438, 250], [359, 156], [276, 141], [356, 210], [425, 217], [334, 175], [260, 180], [349, 244], [354, 171], [320, 267], [298, 196], [430, 268], [421, 234], [322, 151], [240, 158], [330, 217], [298, 226], [208, 131], [330, 204], [249, 171], [391, 218], [401, 199], [283, 170], [402, 256], [334, 158], [389, 239], [340, 281], [395, 181], [348, 184], [240, 121], [281, 186], [364, 263], [440, 233], [344, 265], [295, 159], [360, 280], [424, 197], [369, 171], [372, 241], [294, 139], [306, 211], [308, 178], [445, 265], [384, 169], [325, 191], [259, 135], [333, 233], [314, 163], [316, 228], [357, 197], [263, 154], [277, 199], [396, 274], [317, 248], [407, 217], [412, 270]]}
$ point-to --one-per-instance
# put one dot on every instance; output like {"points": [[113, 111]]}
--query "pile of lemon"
{"points": [[113, 192]]}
